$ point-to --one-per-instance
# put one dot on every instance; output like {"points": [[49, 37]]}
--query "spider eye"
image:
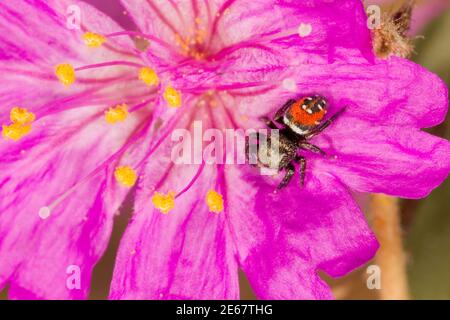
{"points": [[320, 103]]}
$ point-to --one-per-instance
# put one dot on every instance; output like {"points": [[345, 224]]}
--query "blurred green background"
{"points": [[427, 221]]}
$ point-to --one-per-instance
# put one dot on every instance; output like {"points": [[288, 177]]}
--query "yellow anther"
{"points": [[148, 76], [117, 114], [214, 201], [164, 203], [93, 40], [15, 131], [126, 176], [21, 116], [65, 73], [172, 97]]}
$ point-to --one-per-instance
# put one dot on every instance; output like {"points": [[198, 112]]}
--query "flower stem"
{"points": [[391, 257]]}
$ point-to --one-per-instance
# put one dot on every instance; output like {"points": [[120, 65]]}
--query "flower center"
{"points": [[170, 82], [194, 45]]}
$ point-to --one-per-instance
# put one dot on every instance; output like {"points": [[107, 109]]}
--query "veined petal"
{"points": [[55, 155], [183, 252], [35, 39], [394, 92], [33, 19], [312, 26], [235, 21], [372, 158], [284, 238], [50, 194], [161, 18], [68, 244], [55, 33], [242, 33]]}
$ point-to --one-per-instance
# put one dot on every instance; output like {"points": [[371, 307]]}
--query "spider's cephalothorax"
{"points": [[298, 121]]}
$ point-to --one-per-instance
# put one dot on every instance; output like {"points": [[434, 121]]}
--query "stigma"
{"points": [[65, 73], [126, 176], [214, 201], [172, 97], [164, 202], [148, 76], [93, 40], [116, 114]]}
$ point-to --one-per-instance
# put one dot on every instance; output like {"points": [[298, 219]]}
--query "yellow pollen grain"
{"points": [[15, 131], [148, 76], [164, 202], [126, 176], [21, 116], [214, 201], [65, 73], [117, 114], [172, 97], [93, 40]]}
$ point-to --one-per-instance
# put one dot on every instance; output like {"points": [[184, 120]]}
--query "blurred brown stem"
{"points": [[390, 257]]}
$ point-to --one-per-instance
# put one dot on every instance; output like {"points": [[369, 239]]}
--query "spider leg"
{"points": [[290, 170], [325, 125], [280, 113], [302, 161], [313, 148], [269, 122]]}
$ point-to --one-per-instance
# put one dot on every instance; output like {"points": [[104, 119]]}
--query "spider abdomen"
{"points": [[305, 114]]}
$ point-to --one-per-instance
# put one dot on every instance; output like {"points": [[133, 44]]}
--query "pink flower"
{"points": [[71, 153]]}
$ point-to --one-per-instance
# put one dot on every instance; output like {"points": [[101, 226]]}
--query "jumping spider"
{"points": [[299, 120]]}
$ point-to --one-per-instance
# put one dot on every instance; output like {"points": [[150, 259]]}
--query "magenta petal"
{"points": [[28, 56], [48, 253], [339, 23], [37, 20], [394, 91], [37, 251], [252, 39], [372, 158], [185, 254], [161, 18], [284, 238], [230, 22], [46, 24]]}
